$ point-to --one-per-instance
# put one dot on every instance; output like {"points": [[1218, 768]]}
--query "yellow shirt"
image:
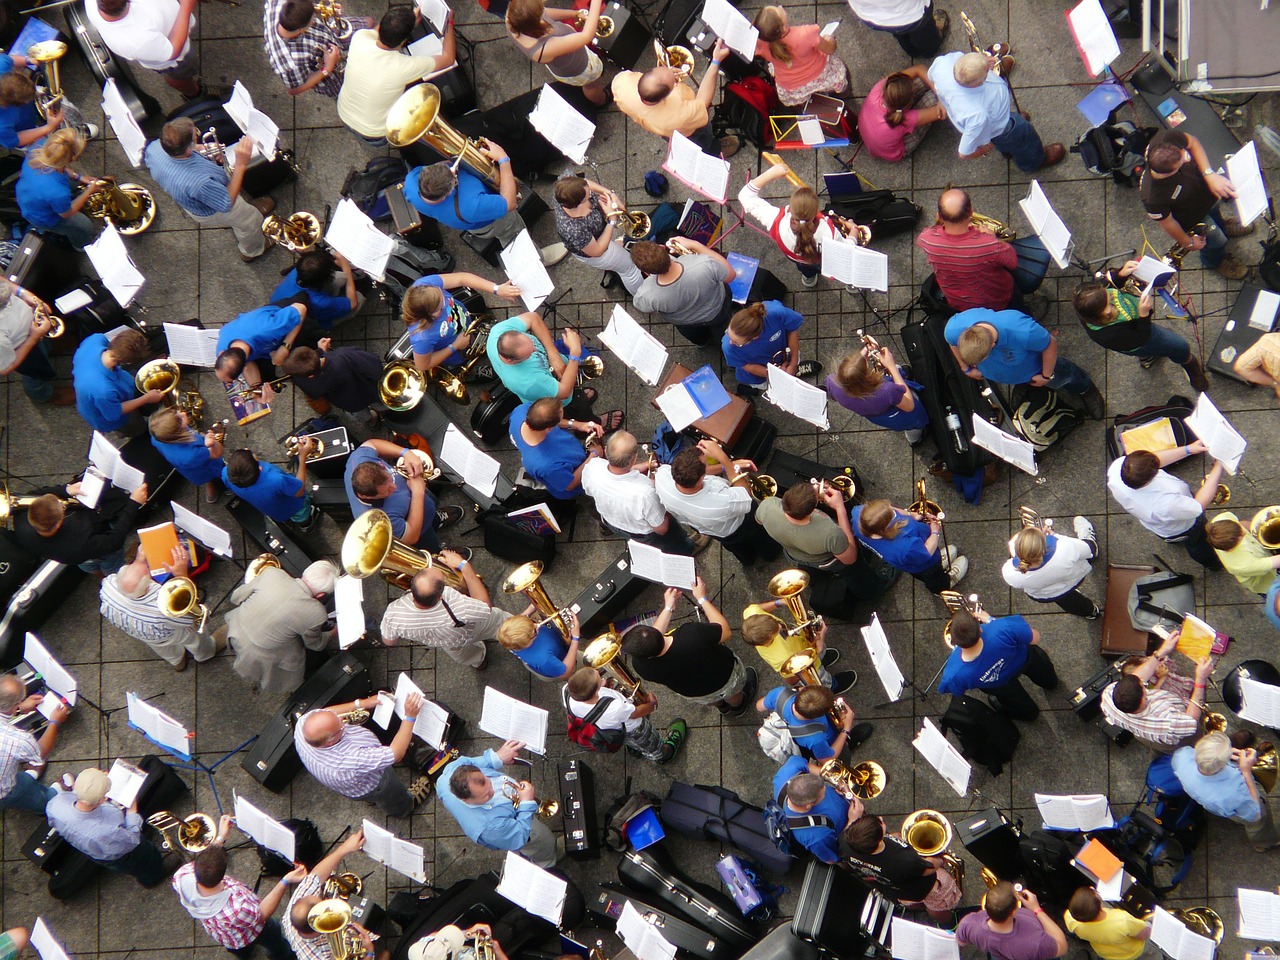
{"points": [[781, 648], [1249, 561], [681, 110], [1112, 936]]}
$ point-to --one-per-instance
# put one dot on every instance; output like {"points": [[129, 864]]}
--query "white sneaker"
{"points": [[91, 131], [949, 555], [1084, 529], [553, 253], [958, 569], [808, 282]]}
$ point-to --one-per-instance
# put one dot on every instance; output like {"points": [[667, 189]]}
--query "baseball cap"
{"points": [[92, 786], [444, 944]]}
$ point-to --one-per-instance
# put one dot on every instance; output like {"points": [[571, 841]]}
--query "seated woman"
{"points": [[892, 402], [548, 37], [436, 320], [327, 279], [20, 124], [799, 228], [897, 112], [197, 458], [44, 189], [761, 334], [542, 648], [585, 229], [801, 59], [1242, 555], [908, 542]]}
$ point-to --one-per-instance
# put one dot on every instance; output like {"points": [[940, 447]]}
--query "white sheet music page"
{"points": [[1046, 223], [882, 659], [1261, 701], [513, 719], [635, 346], [433, 721], [527, 885], [111, 260], [46, 945], [732, 27], [1081, 812], [1263, 315], [642, 938], [123, 123], [916, 941], [348, 599], [264, 829], [1095, 39], [943, 757], [706, 174], [158, 725], [678, 406], [796, 397], [400, 855], [476, 467], [355, 236], [1171, 936], [126, 781], [1246, 176], [811, 132], [844, 260], [191, 346], [56, 677], [1222, 439], [1259, 914], [564, 127], [1006, 446], [669, 569], [252, 121], [525, 269], [210, 534], [435, 12]]}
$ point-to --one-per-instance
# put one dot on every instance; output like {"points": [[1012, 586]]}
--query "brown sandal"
{"points": [[612, 421]]}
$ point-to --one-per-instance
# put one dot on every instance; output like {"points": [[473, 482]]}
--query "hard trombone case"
{"points": [[781, 944], [578, 810], [269, 535], [689, 939], [839, 913], [651, 872], [104, 65]]}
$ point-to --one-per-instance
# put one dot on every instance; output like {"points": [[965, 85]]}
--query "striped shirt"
{"points": [[717, 510], [434, 627], [312, 948], [973, 269], [196, 183], [1265, 354], [238, 921], [140, 618], [17, 747], [1162, 720], [295, 59], [352, 767]]}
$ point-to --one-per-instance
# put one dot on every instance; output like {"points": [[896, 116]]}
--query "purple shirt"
{"points": [[1027, 940], [880, 400], [881, 140]]}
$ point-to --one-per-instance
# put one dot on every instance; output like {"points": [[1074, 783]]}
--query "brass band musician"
{"points": [[584, 224], [899, 872], [1220, 778]]}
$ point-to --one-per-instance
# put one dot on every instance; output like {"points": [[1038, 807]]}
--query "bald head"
{"points": [[12, 693], [971, 70], [427, 588], [621, 450], [655, 85], [321, 727], [955, 208]]}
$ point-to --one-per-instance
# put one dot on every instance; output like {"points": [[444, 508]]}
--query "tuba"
{"points": [[546, 808], [402, 386], [179, 600], [761, 486], [929, 834], [416, 116], [129, 207], [679, 59], [370, 548], [604, 653], [526, 579], [259, 563], [332, 917], [789, 586], [297, 233], [1266, 527], [190, 836], [865, 780], [604, 25]]}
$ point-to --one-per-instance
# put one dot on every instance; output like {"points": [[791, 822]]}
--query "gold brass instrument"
{"points": [[454, 384], [47, 53], [789, 586], [1215, 722], [129, 207], [166, 376], [633, 224], [841, 481], [679, 59], [219, 429], [865, 780], [546, 808], [761, 486], [1221, 496], [955, 602], [329, 12], [369, 547], [402, 386], [1266, 527], [482, 943], [774, 160], [591, 367], [293, 444], [416, 116], [931, 511], [929, 834], [343, 885], [9, 503], [527, 579], [993, 226], [997, 50], [1030, 518], [297, 233], [803, 670], [604, 654], [604, 25], [1202, 920], [255, 392], [676, 248], [355, 717], [872, 346], [259, 563], [179, 600], [1177, 252], [429, 469], [189, 836], [1267, 768], [857, 232], [57, 326], [332, 917]]}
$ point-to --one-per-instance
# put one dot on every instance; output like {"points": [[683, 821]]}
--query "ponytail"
{"points": [[897, 95], [772, 31], [804, 217]]}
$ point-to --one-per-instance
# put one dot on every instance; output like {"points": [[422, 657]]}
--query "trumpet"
{"points": [[604, 25], [343, 885], [482, 943], [676, 248], [872, 347], [993, 226], [774, 160], [219, 429], [546, 808], [604, 654], [955, 602], [297, 233], [355, 717], [789, 586], [9, 503], [679, 59], [1177, 252], [932, 511], [179, 600], [254, 392], [865, 780], [761, 486], [634, 225], [209, 146], [429, 469], [57, 326], [526, 579], [369, 547], [857, 232], [292, 445]]}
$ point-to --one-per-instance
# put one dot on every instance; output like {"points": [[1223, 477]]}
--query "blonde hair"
{"points": [[1029, 545], [772, 30], [420, 306], [878, 518], [974, 345], [856, 377], [59, 150], [166, 427], [517, 633], [804, 216]]}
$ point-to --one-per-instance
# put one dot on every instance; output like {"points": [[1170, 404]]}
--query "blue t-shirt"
{"points": [[545, 656], [43, 195], [443, 331], [1006, 642], [818, 743], [906, 551], [99, 391], [15, 119], [553, 461], [275, 493], [531, 379], [395, 506], [1019, 342], [820, 840], [778, 322], [263, 330], [325, 307], [479, 205], [1270, 608], [191, 459]]}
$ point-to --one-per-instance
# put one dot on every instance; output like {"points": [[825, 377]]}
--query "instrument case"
{"points": [[781, 944], [993, 841], [331, 464], [788, 470], [721, 816], [839, 913], [45, 267], [269, 535], [610, 594], [689, 939], [262, 176], [651, 872], [70, 871], [741, 885], [490, 418], [578, 810], [1176, 408]]}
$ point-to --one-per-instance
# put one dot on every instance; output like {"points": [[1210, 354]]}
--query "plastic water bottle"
{"points": [[957, 433]]}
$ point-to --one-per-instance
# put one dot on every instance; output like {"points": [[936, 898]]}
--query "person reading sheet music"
{"points": [[799, 228], [1112, 932], [305, 50], [1165, 504], [1242, 554], [909, 542], [1049, 567], [21, 752], [691, 291], [433, 614], [627, 502], [154, 34], [1220, 778], [329, 282], [266, 333], [1154, 703], [815, 813], [44, 188], [879, 392], [198, 458], [372, 484], [1007, 931], [918, 28], [437, 322], [801, 59], [898, 113], [765, 333], [549, 451], [548, 37], [281, 496], [92, 539], [344, 377], [991, 655], [309, 944], [589, 234], [24, 325], [886, 860], [105, 394]]}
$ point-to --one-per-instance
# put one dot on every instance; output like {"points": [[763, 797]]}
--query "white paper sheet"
{"points": [[1179, 943], [111, 260], [48, 704], [1112, 891], [476, 467], [269, 832], [1079, 812], [1246, 176], [525, 269], [158, 725], [527, 885], [55, 676], [43, 940], [210, 534], [1006, 446], [733, 28], [92, 486], [678, 406], [428, 46], [1224, 443], [882, 659], [126, 781], [635, 346], [348, 601], [435, 12], [191, 346], [253, 122], [845, 261], [642, 937], [1259, 914], [1046, 223], [796, 397], [810, 130], [1095, 39], [400, 855], [357, 238], [669, 569], [385, 710], [513, 719], [1261, 701], [564, 127], [123, 123], [1149, 270], [916, 941], [432, 725], [938, 751], [706, 174], [1263, 315], [74, 300]]}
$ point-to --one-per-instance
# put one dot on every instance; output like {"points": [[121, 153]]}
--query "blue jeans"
{"points": [[1028, 275], [78, 229], [27, 794], [37, 374], [1215, 241], [1021, 143], [108, 565], [1067, 376], [1164, 343]]}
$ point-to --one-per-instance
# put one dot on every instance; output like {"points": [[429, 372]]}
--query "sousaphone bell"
{"points": [[369, 547], [1266, 527], [604, 653]]}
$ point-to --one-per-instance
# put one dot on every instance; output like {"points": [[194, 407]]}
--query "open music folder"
{"points": [[538, 891], [513, 719], [918, 941], [1259, 914], [264, 829], [635, 346], [699, 171], [1177, 941], [1083, 812]]}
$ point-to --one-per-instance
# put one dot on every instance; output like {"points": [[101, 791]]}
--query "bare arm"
{"points": [[711, 79], [1209, 489], [417, 509], [729, 273], [182, 26], [317, 77]]}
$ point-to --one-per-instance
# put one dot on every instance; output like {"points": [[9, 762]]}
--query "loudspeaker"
{"points": [[993, 841], [630, 38]]}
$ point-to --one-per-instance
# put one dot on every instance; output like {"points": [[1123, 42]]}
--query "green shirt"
{"points": [[1249, 561], [810, 544]]}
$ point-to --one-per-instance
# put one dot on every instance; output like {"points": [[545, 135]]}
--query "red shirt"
{"points": [[974, 269]]}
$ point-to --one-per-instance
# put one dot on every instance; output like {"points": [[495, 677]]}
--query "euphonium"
{"points": [[179, 600], [259, 563], [1202, 920], [369, 547], [761, 486], [297, 233], [9, 503], [402, 386], [1266, 527], [679, 59], [162, 375], [956, 602], [789, 586], [604, 653], [429, 469], [546, 808], [129, 207], [47, 53], [527, 579], [1267, 767], [604, 25], [329, 12], [416, 116], [332, 917], [344, 885], [865, 780], [191, 835], [929, 834]]}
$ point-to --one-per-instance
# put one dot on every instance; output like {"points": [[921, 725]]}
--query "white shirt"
{"points": [[15, 326], [617, 714], [1060, 573], [626, 501], [142, 35], [889, 13], [716, 510], [1164, 506], [374, 78]]}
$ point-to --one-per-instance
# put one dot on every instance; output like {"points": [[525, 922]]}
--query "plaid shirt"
{"points": [[240, 920], [1162, 719], [315, 948], [17, 747], [295, 59], [352, 766]]}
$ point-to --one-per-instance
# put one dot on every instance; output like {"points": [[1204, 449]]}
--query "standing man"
{"points": [[910, 880], [129, 601], [815, 813], [918, 28], [22, 349], [105, 394], [1164, 504], [1221, 780], [21, 752], [549, 451], [267, 333], [690, 292], [342, 377], [532, 365], [432, 614], [979, 106], [308, 944], [304, 50], [1006, 933], [154, 34], [201, 187], [281, 496], [350, 760], [991, 655], [373, 485], [1164, 717], [627, 502]]}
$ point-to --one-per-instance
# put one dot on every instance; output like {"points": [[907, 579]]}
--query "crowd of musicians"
{"points": [[831, 554]]}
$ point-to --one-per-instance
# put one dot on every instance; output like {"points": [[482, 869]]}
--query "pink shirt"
{"points": [[807, 61], [881, 140]]}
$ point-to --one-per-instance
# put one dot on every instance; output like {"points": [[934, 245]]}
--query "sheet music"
{"points": [[1259, 914], [1080, 812], [269, 832], [1224, 443], [916, 941], [1246, 176], [1112, 891], [74, 300], [1169, 934], [678, 406], [669, 569], [527, 885], [943, 757], [642, 937], [126, 781], [355, 236], [400, 855], [55, 675], [385, 710], [92, 485], [1263, 315], [635, 346], [1261, 701], [435, 12], [430, 45], [1095, 39], [1006, 446], [564, 127], [42, 939], [849, 263], [158, 726], [432, 725], [796, 397], [733, 28], [253, 122], [123, 123], [1046, 223], [706, 174], [111, 260], [348, 600], [877, 642], [476, 467], [106, 459], [191, 346], [525, 269], [210, 534], [513, 719]]}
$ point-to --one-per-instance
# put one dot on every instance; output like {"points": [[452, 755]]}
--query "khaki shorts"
{"points": [[595, 69]]}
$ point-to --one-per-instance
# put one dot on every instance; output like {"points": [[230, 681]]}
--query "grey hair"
{"points": [[1213, 753], [12, 692], [621, 450], [971, 69], [320, 577], [805, 789]]}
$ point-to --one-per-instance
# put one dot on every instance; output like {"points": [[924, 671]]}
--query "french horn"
{"points": [[129, 207]]}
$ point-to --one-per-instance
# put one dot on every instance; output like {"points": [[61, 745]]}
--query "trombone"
{"points": [[931, 511], [955, 602], [179, 600]]}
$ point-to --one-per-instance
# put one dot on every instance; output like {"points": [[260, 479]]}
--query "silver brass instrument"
{"points": [[329, 12], [1030, 518], [416, 116], [676, 248], [1266, 527], [344, 885], [955, 602], [872, 346], [526, 579], [546, 808], [209, 146], [369, 547], [332, 917], [259, 563], [931, 511], [219, 429], [293, 444], [679, 59], [761, 486], [402, 386], [604, 653], [179, 600], [865, 780], [297, 233], [429, 469], [9, 503], [789, 586], [189, 836], [604, 25], [129, 207]]}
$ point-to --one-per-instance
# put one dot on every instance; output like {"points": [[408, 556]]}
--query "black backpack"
{"points": [[1116, 150], [364, 187], [883, 211], [1041, 416], [1269, 264], [987, 739]]}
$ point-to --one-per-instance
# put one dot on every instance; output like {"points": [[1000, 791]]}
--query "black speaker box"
{"points": [[993, 841], [630, 38]]}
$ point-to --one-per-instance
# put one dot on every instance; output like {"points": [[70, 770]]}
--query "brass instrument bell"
{"points": [[293, 444], [604, 653], [402, 386], [789, 586], [369, 547], [260, 563], [343, 885], [1202, 920], [179, 600], [761, 486], [927, 832], [546, 808], [332, 918], [416, 116], [1266, 769], [1265, 525], [865, 780], [163, 375], [679, 59], [47, 53], [527, 579], [193, 834], [1221, 496], [634, 225], [429, 469], [129, 207], [298, 233], [604, 25], [859, 233], [591, 367]]}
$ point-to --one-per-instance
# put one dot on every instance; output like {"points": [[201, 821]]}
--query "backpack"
{"points": [[1117, 150], [1041, 417], [777, 738], [780, 824], [621, 812], [746, 108], [884, 212], [364, 187], [584, 732], [987, 739]]}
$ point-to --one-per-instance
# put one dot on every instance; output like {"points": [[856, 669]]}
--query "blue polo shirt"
{"points": [[263, 330], [444, 330], [1223, 794], [545, 656], [395, 506], [43, 195], [14, 119], [478, 204], [553, 461], [1006, 642], [778, 322], [1270, 608], [191, 459], [822, 841], [817, 744], [531, 379], [1019, 342], [325, 307], [275, 493], [906, 551], [99, 391]]}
